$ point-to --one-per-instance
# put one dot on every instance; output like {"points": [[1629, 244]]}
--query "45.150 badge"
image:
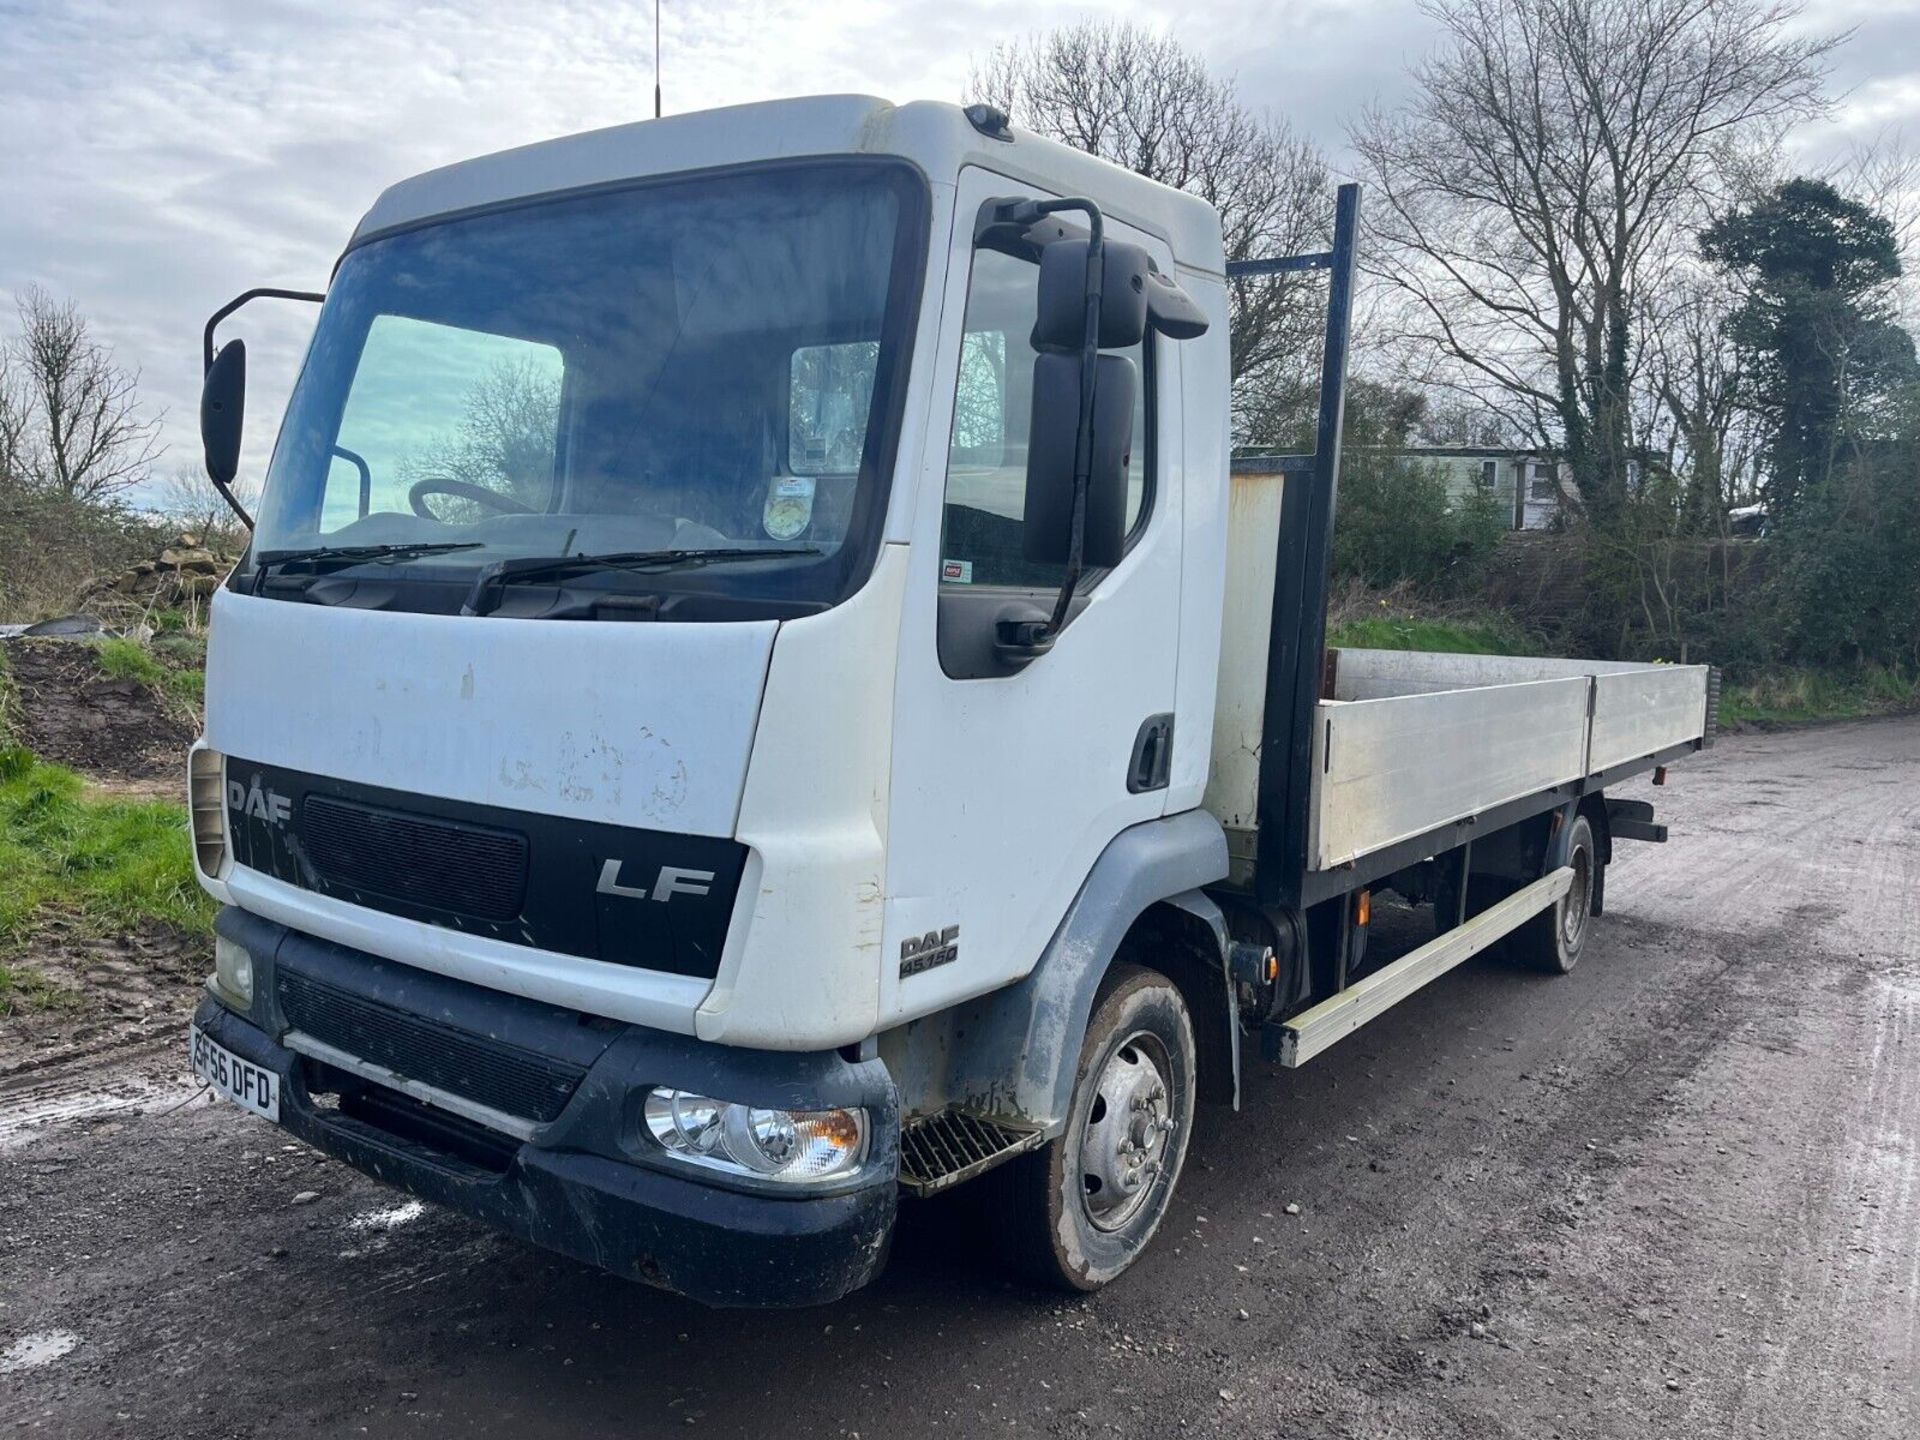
{"points": [[919, 953]]}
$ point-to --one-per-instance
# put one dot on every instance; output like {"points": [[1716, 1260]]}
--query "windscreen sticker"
{"points": [[956, 572], [789, 507]]}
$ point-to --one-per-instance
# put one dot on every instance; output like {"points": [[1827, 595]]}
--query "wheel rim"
{"points": [[1579, 901], [1128, 1131]]}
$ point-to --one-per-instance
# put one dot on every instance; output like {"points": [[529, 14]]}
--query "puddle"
{"points": [[389, 1219], [43, 1347], [35, 1109]]}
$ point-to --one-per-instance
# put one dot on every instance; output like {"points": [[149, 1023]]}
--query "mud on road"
{"points": [[67, 710], [1676, 1193]]}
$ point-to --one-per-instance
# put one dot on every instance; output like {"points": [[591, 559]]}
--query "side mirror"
{"points": [[1051, 441], [1061, 323], [223, 404], [1135, 296]]}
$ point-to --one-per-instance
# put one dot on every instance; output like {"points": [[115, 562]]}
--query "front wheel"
{"points": [[1553, 939], [1083, 1207]]}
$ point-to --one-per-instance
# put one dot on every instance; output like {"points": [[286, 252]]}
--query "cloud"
{"points": [[161, 157]]}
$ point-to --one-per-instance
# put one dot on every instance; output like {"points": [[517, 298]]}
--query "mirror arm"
{"points": [[206, 336], [233, 503], [206, 363]]}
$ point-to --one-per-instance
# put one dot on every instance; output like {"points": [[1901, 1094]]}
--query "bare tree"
{"points": [[504, 440], [17, 462], [188, 501], [1556, 155], [82, 434], [1143, 101], [1883, 173], [1704, 421]]}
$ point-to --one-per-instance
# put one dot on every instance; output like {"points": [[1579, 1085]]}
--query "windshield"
{"points": [[705, 364]]}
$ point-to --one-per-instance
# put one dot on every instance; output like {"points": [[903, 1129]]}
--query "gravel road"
{"points": [[1674, 1194]]}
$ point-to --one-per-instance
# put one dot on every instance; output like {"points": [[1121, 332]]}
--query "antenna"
{"points": [[656, 59]]}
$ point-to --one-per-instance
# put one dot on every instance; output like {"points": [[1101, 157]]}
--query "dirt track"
{"points": [[1677, 1193]]}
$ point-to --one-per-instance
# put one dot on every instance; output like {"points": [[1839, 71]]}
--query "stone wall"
{"points": [[186, 570]]}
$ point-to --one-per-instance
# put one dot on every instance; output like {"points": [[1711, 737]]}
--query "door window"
{"points": [[992, 409]]}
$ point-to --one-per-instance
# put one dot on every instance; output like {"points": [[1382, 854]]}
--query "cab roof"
{"points": [[936, 137]]}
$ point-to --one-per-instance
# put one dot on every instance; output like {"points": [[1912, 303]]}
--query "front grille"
{"points": [[503, 1077], [465, 869]]}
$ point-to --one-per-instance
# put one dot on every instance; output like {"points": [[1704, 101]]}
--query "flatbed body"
{"points": [[1409, 747]]}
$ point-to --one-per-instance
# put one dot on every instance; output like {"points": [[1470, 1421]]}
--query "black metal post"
{"points": [[1303, 563]]}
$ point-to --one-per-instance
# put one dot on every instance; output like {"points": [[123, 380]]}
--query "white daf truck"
{"points": [[757, 686]]}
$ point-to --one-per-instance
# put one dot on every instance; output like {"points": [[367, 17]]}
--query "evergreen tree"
{"points": [[1826, 362]]}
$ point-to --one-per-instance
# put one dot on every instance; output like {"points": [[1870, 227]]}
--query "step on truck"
{"points": [[758, 686]]}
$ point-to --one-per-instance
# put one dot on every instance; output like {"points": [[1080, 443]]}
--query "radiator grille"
{"points": [[466, 869], [503, 1077]]}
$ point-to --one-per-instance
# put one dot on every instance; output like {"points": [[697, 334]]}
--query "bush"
{"points": [[53, 547], [1397, 525], [1792, 695], [1848, 589]]}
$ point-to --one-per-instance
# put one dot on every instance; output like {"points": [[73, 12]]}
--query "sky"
{"points": [[160, 157]]}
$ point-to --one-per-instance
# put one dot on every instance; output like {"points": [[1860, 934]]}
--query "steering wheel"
{"points": [[466, 490]]}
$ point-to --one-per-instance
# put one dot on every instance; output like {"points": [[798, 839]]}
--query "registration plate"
{"points": [[244, 1083]]}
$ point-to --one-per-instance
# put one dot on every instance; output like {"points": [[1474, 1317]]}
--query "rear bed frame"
{"points": [[1371, 761]]}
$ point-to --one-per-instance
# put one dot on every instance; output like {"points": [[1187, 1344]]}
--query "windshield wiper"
{"points": [[355, 554], [502, 573]]}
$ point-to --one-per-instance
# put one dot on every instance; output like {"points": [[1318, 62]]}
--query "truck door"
{"points": [[1008, 785]]}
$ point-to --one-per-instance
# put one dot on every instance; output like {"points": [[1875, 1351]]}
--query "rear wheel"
{"points": [[1553, 939], [1082, 1208]]}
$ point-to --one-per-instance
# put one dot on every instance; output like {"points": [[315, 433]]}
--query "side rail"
{"points": [[1413, 742], [1338, 1016], [1642, 713], [1394, 768]]}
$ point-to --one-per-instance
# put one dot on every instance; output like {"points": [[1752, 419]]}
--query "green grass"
{"points": [[187, 686], [1800, 696], [109, 864], [22, 990], [1414, 632], [178, 676], [125, 659]]}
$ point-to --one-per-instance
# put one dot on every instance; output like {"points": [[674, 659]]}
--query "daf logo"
{"points": [[671, 881], [268, 805], [920, 953]]}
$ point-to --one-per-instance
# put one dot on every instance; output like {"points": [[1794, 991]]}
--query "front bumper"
{"points": [[579, 1182]]}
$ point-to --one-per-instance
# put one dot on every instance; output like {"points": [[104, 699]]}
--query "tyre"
{"points": [[1081, 1209], [1552, 940]]}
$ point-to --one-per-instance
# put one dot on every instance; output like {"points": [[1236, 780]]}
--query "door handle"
{"points": [[1151, 765]]}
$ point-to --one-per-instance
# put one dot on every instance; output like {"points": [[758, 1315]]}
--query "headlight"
{"points": [[207, 804], [790, 1146], [233, 969]]}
